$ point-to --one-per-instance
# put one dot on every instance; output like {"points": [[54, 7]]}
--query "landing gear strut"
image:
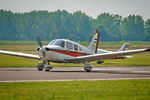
{"points": [[88, 67]]}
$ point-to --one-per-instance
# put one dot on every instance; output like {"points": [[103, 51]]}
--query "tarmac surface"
{"points": [[73, 74]]}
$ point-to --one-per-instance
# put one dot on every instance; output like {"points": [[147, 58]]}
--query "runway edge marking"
{"points": [[13, 81]]}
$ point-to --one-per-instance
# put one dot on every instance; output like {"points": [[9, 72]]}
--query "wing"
{"points": [[110, 55], [19, 54]]}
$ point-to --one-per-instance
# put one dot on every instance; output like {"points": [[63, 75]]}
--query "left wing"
{"points": [[109, 55], [20, 54]]}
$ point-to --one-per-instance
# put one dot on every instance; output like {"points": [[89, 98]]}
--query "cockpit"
{"points": [[69, 45]]}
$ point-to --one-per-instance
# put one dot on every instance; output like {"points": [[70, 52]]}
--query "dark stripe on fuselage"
{"points": [[70, 53]]}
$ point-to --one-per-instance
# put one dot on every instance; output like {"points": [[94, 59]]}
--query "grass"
{"points": [[77, 90]]}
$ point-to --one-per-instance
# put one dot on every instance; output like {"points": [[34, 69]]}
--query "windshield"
{"points": [[52, 42], [58, 42]]}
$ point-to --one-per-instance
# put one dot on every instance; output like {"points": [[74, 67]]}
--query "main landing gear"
{"points": [[42, 65], [88, 67]]}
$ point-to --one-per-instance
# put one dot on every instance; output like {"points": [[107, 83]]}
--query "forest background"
{"points": [[76, 26]]}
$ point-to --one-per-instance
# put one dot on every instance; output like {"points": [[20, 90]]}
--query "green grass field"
{"points": [[77, 90]]}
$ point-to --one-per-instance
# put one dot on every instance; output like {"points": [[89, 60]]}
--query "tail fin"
{"points": [[94, 43], [124, 47]]}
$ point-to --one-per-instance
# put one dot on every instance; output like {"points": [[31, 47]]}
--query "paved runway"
{"points": [[73, 73]]}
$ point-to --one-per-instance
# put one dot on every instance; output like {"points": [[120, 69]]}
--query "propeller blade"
{"points": [[39, 42], [43, 54]]}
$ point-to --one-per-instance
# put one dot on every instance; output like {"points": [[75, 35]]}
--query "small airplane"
{"points": [[67, 51]]}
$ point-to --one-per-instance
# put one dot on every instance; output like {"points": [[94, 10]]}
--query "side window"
{"points": [[75, 47], [69, 45], [80, 49]]}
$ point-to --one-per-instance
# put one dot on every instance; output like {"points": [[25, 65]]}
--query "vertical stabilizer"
{"points": [[94, 43]]}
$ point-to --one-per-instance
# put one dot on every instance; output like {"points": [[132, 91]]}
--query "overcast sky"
{"points": [[90, 7]]}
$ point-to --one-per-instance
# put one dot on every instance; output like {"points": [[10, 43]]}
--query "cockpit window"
{"points": [[57, 42], [80, 49], [75, 47]]}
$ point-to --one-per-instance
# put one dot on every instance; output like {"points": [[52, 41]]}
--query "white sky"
{"points": [[90, 7]]}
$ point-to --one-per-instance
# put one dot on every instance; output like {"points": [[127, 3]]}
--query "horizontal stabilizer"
{"points": [[124, 47]]}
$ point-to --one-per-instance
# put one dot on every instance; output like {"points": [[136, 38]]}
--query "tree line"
{"points": [[76, 26]]}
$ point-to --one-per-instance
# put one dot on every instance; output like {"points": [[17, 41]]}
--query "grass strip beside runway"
{"points": [[77, 90]]}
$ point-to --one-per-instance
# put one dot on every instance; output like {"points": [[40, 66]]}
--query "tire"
{"points": [[39, 69], [88, 70], [47, 70]]}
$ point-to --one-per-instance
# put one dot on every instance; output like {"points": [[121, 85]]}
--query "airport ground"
{"points": [[128, 81]]}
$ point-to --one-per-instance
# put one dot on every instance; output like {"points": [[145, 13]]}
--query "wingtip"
{"points": [[147, 50]]}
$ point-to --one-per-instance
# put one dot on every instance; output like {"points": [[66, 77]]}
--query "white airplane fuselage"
{"points": [[55, 52]]}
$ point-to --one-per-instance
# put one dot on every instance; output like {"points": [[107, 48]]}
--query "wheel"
{"points": [[47, 67], [47, 70], [88, 70], [40, 66], [88, 67], [40, 69]]}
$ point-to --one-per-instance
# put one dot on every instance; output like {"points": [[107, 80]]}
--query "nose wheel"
{"points": [[43, 65], [48, 67], [40, 66]]}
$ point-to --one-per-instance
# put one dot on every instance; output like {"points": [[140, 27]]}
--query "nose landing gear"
{"points": [[41, 66], [48, 67]]}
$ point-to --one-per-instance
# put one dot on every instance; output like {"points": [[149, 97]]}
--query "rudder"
{"points": [[94, 43]]}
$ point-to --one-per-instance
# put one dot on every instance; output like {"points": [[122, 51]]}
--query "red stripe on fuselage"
{"points": [[70, 53]]}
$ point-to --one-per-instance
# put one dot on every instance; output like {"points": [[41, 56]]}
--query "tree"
{"points": [[132, 28], [147, 30], [110, 25]]}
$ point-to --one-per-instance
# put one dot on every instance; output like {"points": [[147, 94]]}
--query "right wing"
{"points": [[103, 56], [25, 55]]}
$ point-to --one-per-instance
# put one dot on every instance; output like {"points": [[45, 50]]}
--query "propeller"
{"points": [[39, 42], [41, 47]]}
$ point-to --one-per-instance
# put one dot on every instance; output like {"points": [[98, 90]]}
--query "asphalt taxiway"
{"points": [[73, 74]]}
